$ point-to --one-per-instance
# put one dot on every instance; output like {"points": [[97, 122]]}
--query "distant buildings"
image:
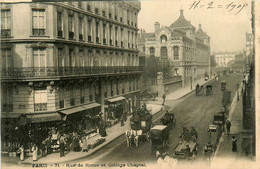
{"points": [[223, 58], [187, 50]]}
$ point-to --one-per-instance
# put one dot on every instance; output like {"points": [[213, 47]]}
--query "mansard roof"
{"points": [[200, 33], [181, 22]]}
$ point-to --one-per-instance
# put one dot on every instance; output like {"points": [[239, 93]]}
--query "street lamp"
{"points": [[237, 91]]}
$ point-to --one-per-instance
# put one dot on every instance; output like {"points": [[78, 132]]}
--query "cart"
{"points": [[159, 135], [142, 120], [223, 85], [209, 90], [185, 150]]}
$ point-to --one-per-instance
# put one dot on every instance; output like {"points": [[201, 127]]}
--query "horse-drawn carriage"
{"points": [[209, 90], [168, 120], [187, 147], [199, 90], [159, 135], [140, 123]]}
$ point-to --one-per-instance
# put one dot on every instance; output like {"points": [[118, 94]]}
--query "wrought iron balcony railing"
{"points": [[42, 72], [6, 32], [40, 107], [38, 32]]}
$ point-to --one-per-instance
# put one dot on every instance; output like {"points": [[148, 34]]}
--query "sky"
{"points": [[227, 30]]}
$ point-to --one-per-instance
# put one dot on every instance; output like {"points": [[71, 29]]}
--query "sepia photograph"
{"points": [[165, 84]]}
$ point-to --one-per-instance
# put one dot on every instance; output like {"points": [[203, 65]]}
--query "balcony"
{"points": [[43, 72], [89, 38], [60, 33], [97, 39], [111, 42], [62, 104], [40, 107], [38, 32], [71, 35], [81, 37], [7, 108], [6, 32], [104, 41]]}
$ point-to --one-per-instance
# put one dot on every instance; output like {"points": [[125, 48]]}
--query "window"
{"points": [[80, 4], [96, 11], [163, 52], [7, 60], [71, 58], [143, 49], [111, 86], [116, 33], [82, 93], [88, 8], [81, 57], [103, 13], [104, 34], [71, 27], [176, 53], [40, 100], [97, 32], [61, 97], [59, 24], [80, 28], [72, 97], [61, 58], [152, 51], [110, 35], [128, 39], [89, 31], [7, 99], [38, 21], [5, 23], [39, 57]]}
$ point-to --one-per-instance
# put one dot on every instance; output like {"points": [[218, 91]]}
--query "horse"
{"points": [[128, 135]]}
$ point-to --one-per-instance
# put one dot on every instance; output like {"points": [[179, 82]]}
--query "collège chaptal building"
{"points": [[65, 62]]}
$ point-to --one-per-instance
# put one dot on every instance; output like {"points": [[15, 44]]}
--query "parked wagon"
{"points": [[223, 85], [209, 90], [159, 135]]}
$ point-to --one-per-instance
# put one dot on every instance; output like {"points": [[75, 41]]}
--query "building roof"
{"points": [[142, 36], [181, 22], [200, 33]]}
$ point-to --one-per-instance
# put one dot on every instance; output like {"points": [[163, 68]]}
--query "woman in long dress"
{"points": [[21, 151], [34, 150]]}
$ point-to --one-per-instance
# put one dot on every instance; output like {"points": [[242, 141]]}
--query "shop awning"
{"points": [[43, 117], [91, 105], [116, 99], [10, 115], [73, 110], [79, 108]]}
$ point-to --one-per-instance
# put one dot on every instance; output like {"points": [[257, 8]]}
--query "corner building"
{"points": [[187, 49], [62, 61]]}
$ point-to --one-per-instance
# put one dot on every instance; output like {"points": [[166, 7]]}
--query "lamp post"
{"points": [[237, 91]]}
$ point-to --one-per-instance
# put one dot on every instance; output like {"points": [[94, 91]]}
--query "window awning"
{"points": [[90, 106], [43, 117], [79, 108], [116, 99], [72, 110], [10, 115]]}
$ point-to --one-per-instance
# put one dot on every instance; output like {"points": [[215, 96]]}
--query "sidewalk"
{"points": [[224, 155], [112, 133], [184, 91]]}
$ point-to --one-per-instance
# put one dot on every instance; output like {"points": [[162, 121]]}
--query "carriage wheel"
{"points": [[147, 135]]}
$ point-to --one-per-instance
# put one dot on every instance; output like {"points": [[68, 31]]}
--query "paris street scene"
{"points": [[128, 84]]}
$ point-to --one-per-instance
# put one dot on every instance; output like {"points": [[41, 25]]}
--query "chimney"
{"points": [[156, 27]]}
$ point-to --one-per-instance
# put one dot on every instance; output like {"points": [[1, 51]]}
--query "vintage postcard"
{"points": [[129, 84]]}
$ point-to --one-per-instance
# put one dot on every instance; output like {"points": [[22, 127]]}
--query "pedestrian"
{"points": [[163, 97], [62, 147], [34, 151], [43, 148], [21, 151], [228, 126], [234, 144], [48, 144]]}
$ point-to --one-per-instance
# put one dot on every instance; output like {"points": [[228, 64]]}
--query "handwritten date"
{"points": [[229, 7]]}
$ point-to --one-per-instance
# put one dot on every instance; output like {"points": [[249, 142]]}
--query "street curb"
{"points": [[101, 146]]}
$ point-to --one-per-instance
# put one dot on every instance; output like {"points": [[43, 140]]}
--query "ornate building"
{"points": [[187, 50], [65, 58]]}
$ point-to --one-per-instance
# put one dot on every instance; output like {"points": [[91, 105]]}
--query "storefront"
{"points": [[81, 118], [115, 107]]}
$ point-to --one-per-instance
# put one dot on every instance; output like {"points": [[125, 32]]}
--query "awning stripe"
{"points": [[116, 99]]}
